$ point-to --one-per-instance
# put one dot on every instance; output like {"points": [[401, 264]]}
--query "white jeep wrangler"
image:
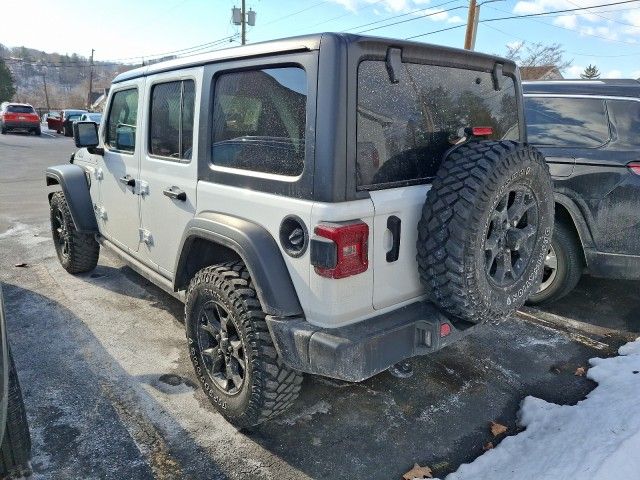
{"points": [[330, 204]]}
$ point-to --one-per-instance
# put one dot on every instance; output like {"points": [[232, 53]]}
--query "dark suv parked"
{"points": [[589, 131]]}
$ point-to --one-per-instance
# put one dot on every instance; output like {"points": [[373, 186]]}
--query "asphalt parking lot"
{"points": [[110, 391]]}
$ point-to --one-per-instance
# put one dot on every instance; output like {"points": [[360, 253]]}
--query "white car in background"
{"points": [[91, 117]]}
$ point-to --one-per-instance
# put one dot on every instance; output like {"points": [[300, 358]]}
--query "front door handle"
{"points": [[393, 224], [175, 193], [128, 180]]}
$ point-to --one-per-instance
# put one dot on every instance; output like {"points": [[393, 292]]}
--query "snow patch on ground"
{"points": [[599, 437], [27, 235]]}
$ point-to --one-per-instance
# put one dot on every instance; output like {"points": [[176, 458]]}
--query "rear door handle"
{"points": [[128, 180], [175, 193], [393, 224]]}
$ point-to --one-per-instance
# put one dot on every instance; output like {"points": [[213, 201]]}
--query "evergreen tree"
{"points": [[590, 72], [7, 89]]}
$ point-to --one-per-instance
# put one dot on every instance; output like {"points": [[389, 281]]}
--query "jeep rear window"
{"points": [[566, 122], [404, 128], [259, 120]]}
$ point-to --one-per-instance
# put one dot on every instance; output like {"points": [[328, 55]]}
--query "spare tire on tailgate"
{"points": [[485, 230]]}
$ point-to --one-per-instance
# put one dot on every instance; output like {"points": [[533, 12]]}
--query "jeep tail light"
{"points": [[339, 250], [634, 167]]}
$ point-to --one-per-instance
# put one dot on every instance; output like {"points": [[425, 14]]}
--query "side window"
{"points": [[625, 117], [259, 120], [566, 122], [171, 122], [121, 123]]}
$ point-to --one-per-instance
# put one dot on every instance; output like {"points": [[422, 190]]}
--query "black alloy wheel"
{"points": [[221, 347], [511, 236], [60, 233]]}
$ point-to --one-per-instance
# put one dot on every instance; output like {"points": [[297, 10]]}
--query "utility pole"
{"points": [[472, 25], [46, 94], [90, 80], [243, 35], [240, 16]]}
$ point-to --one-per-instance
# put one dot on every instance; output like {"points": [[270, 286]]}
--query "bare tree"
{"points": [[538, 54]]}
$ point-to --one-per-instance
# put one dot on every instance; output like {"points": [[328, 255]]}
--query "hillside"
{"points": [[67, 77]]}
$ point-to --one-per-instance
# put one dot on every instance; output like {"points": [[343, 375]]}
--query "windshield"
{"points": [[95, 117], [20, 109], [404, 128]]}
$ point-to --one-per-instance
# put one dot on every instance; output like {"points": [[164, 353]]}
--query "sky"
{"points": [[130, 30]]}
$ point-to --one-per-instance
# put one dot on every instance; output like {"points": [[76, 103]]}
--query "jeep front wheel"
{"points": [[77, 252], [485, 230], [231, 348]]}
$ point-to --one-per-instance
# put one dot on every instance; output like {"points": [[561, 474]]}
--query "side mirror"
{"points": [[85, 134]]}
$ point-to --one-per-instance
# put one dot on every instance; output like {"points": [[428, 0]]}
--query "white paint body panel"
{"points": [[119, 201], [165, 218], [396, 282]]}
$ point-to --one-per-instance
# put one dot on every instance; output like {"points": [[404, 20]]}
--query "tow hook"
{"points": [[401, 369]]}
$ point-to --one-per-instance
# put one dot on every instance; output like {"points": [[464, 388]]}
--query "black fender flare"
{"points": [[72, 179], [258, 250], [578, 217]]}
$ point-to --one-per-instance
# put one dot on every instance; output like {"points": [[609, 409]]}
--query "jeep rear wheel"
{"points": [[231, 348], [77, 252], [485, 230]]}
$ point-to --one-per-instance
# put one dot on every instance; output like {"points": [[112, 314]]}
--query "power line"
{"points": [[401, 15], [276, 20], [529, 15], [595, 55], [606, 18], [415, 18], [196, 50], [573, 30]]}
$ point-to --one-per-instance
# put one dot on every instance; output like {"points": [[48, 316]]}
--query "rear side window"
{"points": [[20, 109], [171, 122], [259, 120], [404, 128], [625, 117], [122, 121], [566, 122]]}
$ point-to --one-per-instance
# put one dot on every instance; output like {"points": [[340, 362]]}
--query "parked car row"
{"points": [[23, 117]]}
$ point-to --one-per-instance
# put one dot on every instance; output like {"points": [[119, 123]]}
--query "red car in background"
{"points": [[19, 116], [63, 121]]}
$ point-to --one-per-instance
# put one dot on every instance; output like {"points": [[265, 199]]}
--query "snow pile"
{"points": [[599, 438]]}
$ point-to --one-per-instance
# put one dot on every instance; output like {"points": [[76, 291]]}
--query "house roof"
{"points": [[535, 73]]}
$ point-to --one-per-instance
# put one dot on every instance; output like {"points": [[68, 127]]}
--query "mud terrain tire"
{"points": [[77, 252], [485, 230], [231, 348]]}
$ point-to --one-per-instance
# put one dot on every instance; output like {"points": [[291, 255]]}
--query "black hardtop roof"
{"points": [[295, 44], [604, 87]]}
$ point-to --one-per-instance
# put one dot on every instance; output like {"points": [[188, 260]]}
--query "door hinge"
{"points": [[141, 188], [98, 173], [100, 211], [145, 236]]}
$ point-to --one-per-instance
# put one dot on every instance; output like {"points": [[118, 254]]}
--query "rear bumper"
{"points": [[20, 125], [359, 351]]}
